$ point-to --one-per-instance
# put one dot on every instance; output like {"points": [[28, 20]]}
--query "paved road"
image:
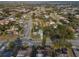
{"points": [[4, 45], [27, 29], [75, 46], [75, 52]]}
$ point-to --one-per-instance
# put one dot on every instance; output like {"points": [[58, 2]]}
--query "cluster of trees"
{"points": [[63, 32], [6, 13], [5, 27]]}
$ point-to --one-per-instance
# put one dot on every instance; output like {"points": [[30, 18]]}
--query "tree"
{"points": [[11, 45], [59, 34], [18, 15], [65, 33]]}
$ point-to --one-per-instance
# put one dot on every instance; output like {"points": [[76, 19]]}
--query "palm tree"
{"points": [[65, 33], [59, 35]]}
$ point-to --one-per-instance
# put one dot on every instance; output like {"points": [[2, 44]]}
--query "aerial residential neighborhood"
{"points": [[39, 29]]}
